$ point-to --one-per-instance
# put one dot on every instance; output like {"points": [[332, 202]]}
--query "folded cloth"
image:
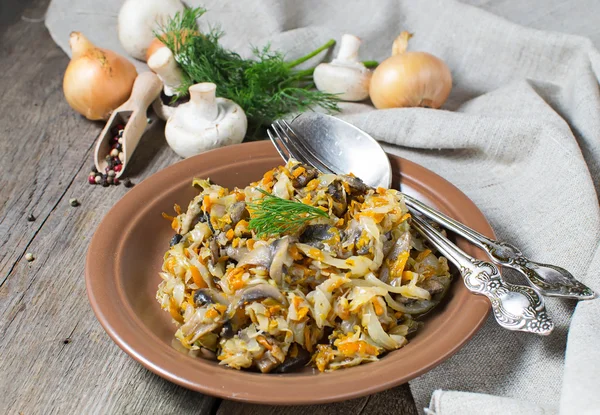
{"points": [[520, 135]]}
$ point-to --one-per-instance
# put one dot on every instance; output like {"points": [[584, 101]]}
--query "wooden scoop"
{"points": [[132, 114]]}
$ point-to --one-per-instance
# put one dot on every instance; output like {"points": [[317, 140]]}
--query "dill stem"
{"points": [[310, 71], [303, 73], [298, 75], [315, 52]]}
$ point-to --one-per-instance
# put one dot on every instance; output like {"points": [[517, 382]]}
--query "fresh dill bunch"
{"points": [[266, 87], [272, 215]]}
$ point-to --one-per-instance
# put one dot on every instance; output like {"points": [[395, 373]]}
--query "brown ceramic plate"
{"points": [[126, 254]]}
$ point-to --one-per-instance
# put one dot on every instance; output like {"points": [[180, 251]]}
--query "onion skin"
{"points": [[411, 79], [97, 80]]}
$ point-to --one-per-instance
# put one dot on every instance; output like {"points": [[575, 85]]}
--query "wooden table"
{"points": [[56, 358]]}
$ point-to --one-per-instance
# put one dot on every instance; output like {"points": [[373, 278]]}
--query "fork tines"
{"points": [[290, 144]]}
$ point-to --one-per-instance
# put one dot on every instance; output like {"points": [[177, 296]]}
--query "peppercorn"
{"points": [[109, 179], [114, 152], [92, 179], [30, 217], [118, 168], [94, 170], [98, 179], [29, 256], [111, 173], [105, 182], [74, 202], [121, 156], [127, 183]]}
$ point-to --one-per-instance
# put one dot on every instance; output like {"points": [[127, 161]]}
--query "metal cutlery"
{"points": [[319, 147], [549, 280], [515, 307]]}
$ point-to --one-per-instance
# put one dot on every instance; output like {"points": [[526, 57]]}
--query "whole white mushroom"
{"points": [[345, 76], [205, 122], [138, 19]]}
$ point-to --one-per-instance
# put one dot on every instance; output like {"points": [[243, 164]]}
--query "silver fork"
{"points": [[515, 307], [549, 280]]}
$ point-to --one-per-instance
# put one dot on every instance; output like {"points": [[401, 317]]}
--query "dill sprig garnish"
{"points": [[266, 87], [272, 215]]}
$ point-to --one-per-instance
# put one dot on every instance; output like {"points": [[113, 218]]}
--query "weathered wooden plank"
{"points": [[396, 401], [55, 356], [42, 142]]}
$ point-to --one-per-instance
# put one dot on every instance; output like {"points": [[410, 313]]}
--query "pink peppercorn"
{"points": [[92, 179], [118, 167]]}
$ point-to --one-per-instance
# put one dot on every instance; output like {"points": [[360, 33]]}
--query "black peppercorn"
{"points": [[30, 218]]}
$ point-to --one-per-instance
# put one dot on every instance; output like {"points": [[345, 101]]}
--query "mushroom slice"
{"points": [[356, 185], [297, 358], [266, 363], [338, 195], [193, 211], [204, 296], [314, 234], [280, 258], [238, 212], [402, 244], [301, 180], [260, 292], [261, 255]]}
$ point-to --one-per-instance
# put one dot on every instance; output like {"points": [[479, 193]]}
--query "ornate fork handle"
{"points": [[515, 307], [550, 280]]}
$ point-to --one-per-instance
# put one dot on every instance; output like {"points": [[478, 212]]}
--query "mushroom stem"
{"points": [[349, 48], [162, 62], [203, 97]]}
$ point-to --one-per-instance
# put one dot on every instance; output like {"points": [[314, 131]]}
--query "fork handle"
{"points": [[515, 307], [470, 234], [549, 280]]}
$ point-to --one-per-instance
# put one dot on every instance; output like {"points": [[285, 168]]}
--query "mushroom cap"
{"points": [[350, 80], [188, 133]]}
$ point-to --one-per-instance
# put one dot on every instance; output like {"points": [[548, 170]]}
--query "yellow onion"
{"points": [[97, 80], [410, 79]]}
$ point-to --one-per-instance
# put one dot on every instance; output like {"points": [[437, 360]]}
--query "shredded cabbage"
{"points": [[356, 276]]}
